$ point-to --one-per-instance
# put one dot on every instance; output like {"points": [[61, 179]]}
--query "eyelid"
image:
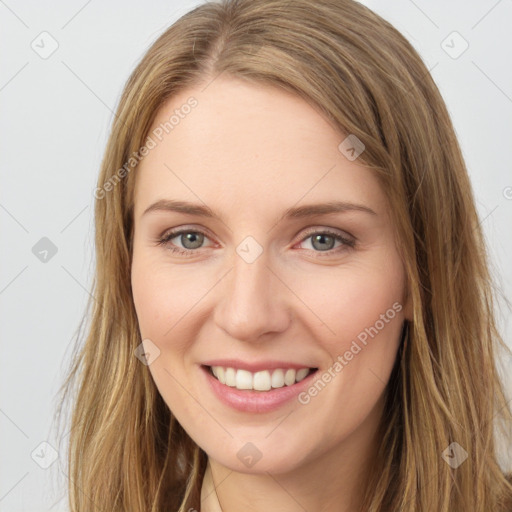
{"points": [[328, 230], [174, 232]]}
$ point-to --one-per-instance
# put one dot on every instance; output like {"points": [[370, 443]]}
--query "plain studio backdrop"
{"points": [[62, 70]]}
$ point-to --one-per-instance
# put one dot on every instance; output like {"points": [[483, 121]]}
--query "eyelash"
{"points": [[347, 242]]}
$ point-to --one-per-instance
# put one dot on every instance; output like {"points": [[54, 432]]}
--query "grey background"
{"points": [[55, 117]]}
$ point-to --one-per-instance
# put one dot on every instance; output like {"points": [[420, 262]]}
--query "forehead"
{"points": [[248, 144]]}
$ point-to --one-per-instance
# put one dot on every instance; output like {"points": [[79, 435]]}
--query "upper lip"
{"points": [[255, 366]]}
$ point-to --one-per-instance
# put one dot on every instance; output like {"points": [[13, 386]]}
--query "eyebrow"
{"points": [[298, 212]]}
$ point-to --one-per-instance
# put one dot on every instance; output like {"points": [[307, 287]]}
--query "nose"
{"points": [[252, 300]]}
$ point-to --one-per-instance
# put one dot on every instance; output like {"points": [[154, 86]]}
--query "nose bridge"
{"points": [[252, 303]]}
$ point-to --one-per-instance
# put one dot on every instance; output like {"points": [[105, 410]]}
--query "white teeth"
{"points": [[289, 377], [221, 374], [278, 378], [243, 379], [230, 377], [260, 381], [301, 374]]}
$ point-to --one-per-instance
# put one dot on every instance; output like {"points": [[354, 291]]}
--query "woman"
{"points": [[292, 304]]}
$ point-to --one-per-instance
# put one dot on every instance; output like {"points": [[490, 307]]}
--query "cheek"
{"points": [[150, 300], [363, 308], [164, 298], [350, 300], [158, 294], [155, 303]]}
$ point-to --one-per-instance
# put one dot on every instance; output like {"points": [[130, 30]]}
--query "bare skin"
{"points": [[249, 152]]}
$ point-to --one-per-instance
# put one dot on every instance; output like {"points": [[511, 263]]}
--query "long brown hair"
{"points": [[126, 450]]}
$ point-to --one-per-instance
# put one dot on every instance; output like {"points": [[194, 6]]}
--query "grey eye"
{"points": [[323, 242], [192, 240]]}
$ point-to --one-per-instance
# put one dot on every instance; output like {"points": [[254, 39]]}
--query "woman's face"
{"points": [[260, 273]]}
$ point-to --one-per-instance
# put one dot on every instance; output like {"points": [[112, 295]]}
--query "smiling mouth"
{"points": [[264, 380]]}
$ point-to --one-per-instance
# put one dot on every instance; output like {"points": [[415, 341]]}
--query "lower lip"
{"points": [[255, 401]]}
